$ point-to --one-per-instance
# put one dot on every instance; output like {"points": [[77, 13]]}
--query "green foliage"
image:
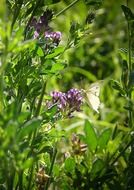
{"points": [[104, 138], [91, 138], [47, 140], [95, 3], [128, 13], [116, 85], [69, 165]]}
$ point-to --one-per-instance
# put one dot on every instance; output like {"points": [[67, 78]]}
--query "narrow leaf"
{"points": [[117, 85], [29, 127], [128, 13], [69, 164], [57, 67], [91, 138], [104, 138], [98, 165], [56, 52], [40, 52]]}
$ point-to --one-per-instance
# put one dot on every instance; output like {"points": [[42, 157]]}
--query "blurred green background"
{"points": [[97, 56]]}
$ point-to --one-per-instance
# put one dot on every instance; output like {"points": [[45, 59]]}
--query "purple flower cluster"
{"points": [[74, 99], [55, 37], [67, 102], [42, 24], [60, 99], [42, 29]]}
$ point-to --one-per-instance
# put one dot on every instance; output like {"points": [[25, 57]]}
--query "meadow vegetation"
{"points": [[66, 95]]}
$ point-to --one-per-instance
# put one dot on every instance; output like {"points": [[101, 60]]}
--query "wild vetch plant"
{"points": [[40, 148], [29, 58]]}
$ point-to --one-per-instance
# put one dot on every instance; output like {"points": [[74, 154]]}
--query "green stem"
{"points": [[35, 132], [1, 93], [2, 68], [31, 108], [10, 183], [51, 169], [40, 100], [129, 71], [31, 176], [66, 8], [129, 48], [21, 180]]}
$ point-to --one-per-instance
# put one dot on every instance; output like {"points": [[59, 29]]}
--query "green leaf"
{"points": [[117, 85], [45, 148], [93, 2], [123, 53], [57, 67], [128, 13], [11, 129], [56, 170], [74, 28], [55, 53], [34, 89], [113, 145], [69, 164], [91, 138], [51, 111], [40, 52], [104, 138], [17, 47], [28, 128], [114, 133], [98, 165], [27, 163], [23, 116]]}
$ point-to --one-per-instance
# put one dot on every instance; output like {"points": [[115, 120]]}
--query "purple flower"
{"points": [[47, 34], [47, 39], [36, 35], [40, 27], [59, 98], [67, 102], [42, 24], [74, 99], [54, 36], [46, 17]]}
